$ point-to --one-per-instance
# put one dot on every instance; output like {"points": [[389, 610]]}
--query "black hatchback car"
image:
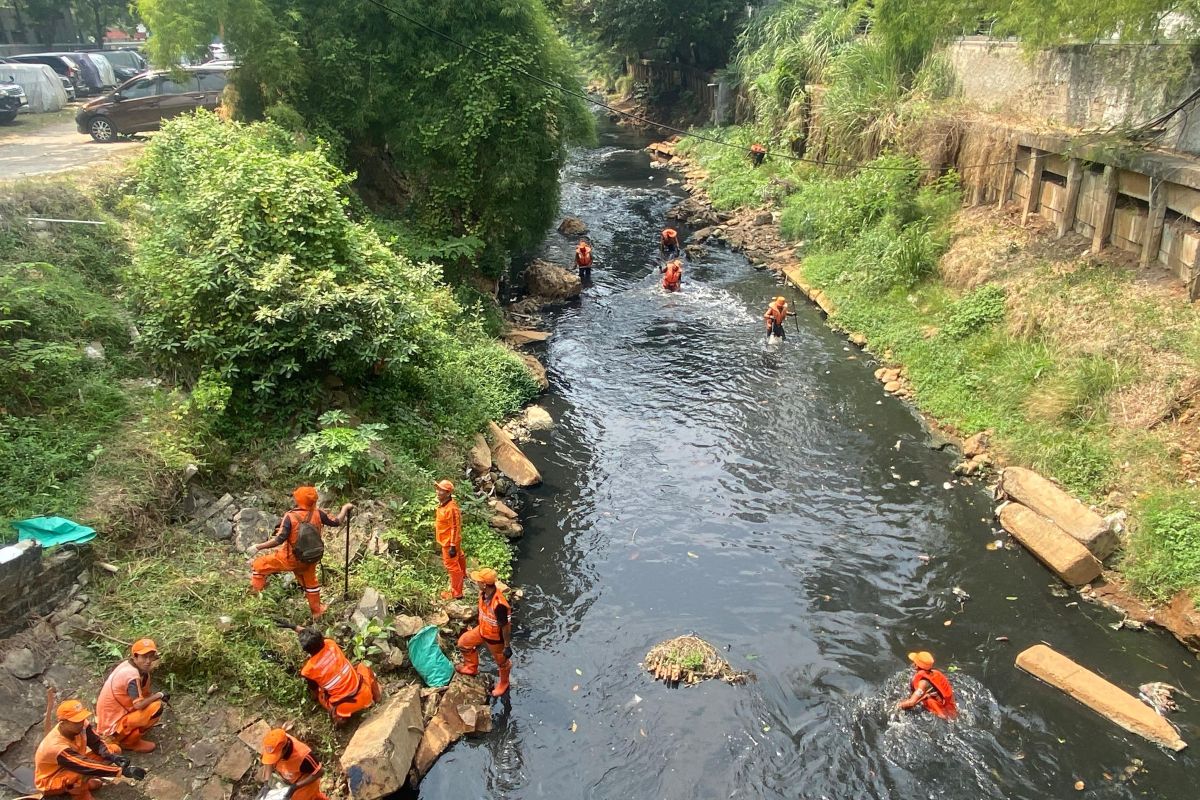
{"points": [[143, 103]]}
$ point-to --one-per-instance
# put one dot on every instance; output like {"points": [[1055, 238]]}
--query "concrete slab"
{"points": [[1098, 694], [1037, 493], [1066, 558]]}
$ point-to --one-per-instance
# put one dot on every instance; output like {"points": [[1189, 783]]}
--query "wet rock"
{"points": [[511, 461], [572, 226], [1182, 619], [551, 281], [377, 759], [235, 763], [406, 626], [463, 710], [504, 486], [703, 235], [519, 337], [251, 526], [24, 663], [479, 458], [536, 418], [460, 611], [695, 252], [537, 370], [502, 508], [513, 530], [891, 387]]}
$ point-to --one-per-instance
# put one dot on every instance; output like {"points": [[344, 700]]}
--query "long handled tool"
{"points": [[346, 579]]}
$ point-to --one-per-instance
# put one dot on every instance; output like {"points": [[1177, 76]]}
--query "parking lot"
{"points": [[55, 148]]}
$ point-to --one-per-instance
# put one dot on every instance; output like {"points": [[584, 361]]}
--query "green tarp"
{"points": [[428, 659], [51, 531]]}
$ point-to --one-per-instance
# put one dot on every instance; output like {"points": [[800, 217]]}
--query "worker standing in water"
{"points": [[777, 312], [672, 275], [930, 688], [447, 531], [668, 243], [583, 260]]}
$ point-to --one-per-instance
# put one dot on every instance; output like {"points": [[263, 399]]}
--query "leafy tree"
{"points": [[699, 32], [461, 144]]}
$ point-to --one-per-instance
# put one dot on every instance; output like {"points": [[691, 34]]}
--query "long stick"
{"points": [[346, 581]]}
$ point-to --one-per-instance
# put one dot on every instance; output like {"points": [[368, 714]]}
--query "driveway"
{"points": [[57, 148]]}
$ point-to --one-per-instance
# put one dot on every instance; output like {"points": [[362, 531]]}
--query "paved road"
{"points": [[56, 148]]}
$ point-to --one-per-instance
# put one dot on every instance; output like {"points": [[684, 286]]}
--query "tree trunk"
{"points": [[99, 24]]}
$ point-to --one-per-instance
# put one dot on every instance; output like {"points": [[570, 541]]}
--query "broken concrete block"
{"points": [[1080, 522], [511, 461], [377, 759], [461, 711], [1066, 558], [1100, 695]]}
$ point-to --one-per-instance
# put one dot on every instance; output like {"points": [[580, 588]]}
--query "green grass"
{"points": [[1165, 548], [733, 181]]}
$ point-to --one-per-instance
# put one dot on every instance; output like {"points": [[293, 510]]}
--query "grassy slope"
{"points": [[1085, 369]]}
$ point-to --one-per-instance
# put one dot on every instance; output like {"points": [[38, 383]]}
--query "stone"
{"points": [[372, 605], [406, 626], [519, 337], [396, 659], [858, 339], [377, 758], [975, 445], [217, 508], [437, 618], [462, 710], [536, 369], [203, 753], [479, 458], [502, 508], [891, 387], [458, 610], [536, 418], [94, 351], [511, 461], [212, 789], [218, 528], [552, 282], [695, 252], [252, 735], [1100, 695], [235, 763], [703, 235], [1087, 527], [1054, 547], [23, 663], [164, 786], [251, 526], [572, 226], [22, 704], [762, 218], [887, 375], [514, 530]]}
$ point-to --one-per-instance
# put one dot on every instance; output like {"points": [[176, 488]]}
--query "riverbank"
{"points": [[1082, 368]]}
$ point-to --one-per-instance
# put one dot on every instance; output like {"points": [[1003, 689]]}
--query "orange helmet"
{"points": [[922, 659]]}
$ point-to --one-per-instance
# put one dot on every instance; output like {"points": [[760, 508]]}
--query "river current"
{"points": [[773, 500]]}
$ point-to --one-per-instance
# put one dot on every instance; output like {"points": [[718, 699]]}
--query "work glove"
{"points": [[165, 697], [508, 652], [120, 761], [453, 551], [130, 771]]}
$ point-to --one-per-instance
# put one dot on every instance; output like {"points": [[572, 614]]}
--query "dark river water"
{"points": [[774, 501]]}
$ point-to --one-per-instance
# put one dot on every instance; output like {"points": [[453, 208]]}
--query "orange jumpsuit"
{"points": [[116, 717], [300, 765], [71, 765], [447, 530], [489, 632], [673, 277], [283, 560], [342, 688], [941, 702]]}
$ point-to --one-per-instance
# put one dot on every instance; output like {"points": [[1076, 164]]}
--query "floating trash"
{"points": [[688, 660]]}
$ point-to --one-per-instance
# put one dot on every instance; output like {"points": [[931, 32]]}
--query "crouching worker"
{"points": [[72, 761], [930, 688], [494, 630], [343, 689], [292, 760], [126, 707]]}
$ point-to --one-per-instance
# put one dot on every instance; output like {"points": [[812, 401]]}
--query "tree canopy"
{"points": [[699, 32]]}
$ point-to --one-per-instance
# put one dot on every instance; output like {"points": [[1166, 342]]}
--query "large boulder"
{"points": [[572, 226], [511, 461], [1087, 527], [378, 757], [536, 418], [462, 710], [251, 526], [551, 281], [479, 458], [537, 370]]}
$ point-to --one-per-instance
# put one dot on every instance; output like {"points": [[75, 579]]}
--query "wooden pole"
{"points": [[1105, 206], [346, 578], [1152, 235], [1074, 179]]}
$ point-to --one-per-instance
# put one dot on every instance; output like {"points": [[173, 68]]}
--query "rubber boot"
{"points": [[134, 743], [502, 684], [314, 604], [470, 663]]}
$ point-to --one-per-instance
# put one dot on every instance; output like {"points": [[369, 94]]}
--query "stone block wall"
{"points": [[33, 582]]}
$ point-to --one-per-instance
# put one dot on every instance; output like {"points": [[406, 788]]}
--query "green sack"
{"points": [[51, 531], [428, 659]]}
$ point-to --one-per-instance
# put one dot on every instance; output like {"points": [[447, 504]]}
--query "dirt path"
{"points": [[56, 148]]}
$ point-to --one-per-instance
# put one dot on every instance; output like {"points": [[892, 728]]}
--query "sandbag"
{"points": [[428, 659]]}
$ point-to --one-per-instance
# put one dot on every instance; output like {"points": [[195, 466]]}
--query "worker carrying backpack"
{"points": [[309, 547]]}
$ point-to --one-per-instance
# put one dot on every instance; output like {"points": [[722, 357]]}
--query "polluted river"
{"points": [[773, 500]]}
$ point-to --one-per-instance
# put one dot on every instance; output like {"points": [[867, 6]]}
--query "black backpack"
{"points": [[309, 547]]}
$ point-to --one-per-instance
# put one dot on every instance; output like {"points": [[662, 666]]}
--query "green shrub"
{"points": [[341, 455], [1165, 545], [975, 311]]}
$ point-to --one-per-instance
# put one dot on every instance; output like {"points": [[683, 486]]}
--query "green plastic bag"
{"points": [[428, 659], [51, 531]]}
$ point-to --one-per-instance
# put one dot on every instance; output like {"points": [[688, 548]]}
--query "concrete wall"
{"points": [[33, 582], [1085, 87]]}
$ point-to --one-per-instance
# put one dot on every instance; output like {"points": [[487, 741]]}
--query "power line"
{"points": [[589, 99]]}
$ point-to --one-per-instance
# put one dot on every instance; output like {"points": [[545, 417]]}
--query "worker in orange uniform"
{"points": [[672, 275], [292, 760], [930, 688], [343, 689], [494, 630], [126, 707], [72, 760], [668, 243], [300, 547], [447, 531], [583, 259], [757, 154], [777, 312]]}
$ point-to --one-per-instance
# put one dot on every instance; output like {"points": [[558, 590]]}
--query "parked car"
{"points": [[108, 78], [126, 64], [67, 67], [12, 97], [42, 86], [143, 103]]}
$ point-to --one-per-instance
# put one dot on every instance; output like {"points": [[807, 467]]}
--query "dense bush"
{"points": [[975, 311]]}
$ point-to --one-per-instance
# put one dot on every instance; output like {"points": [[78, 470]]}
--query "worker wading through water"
{"points": [[126, 707], [494, 630], [583, 260], [757, 154], [672, 275], [447, 531], [930, 688], [341, 688], [668, 243], [292, 760], [777, 312], [72, 760], [300, 547]]}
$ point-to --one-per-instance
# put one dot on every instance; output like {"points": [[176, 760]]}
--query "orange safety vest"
{"points": [[583, 256], [45, 761], [289, 768], [776, 313], [489, 629], [447, 524], [670, 237], [673, 276], [942, 703], [298, 516], [332, 672], [114, 703]]}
